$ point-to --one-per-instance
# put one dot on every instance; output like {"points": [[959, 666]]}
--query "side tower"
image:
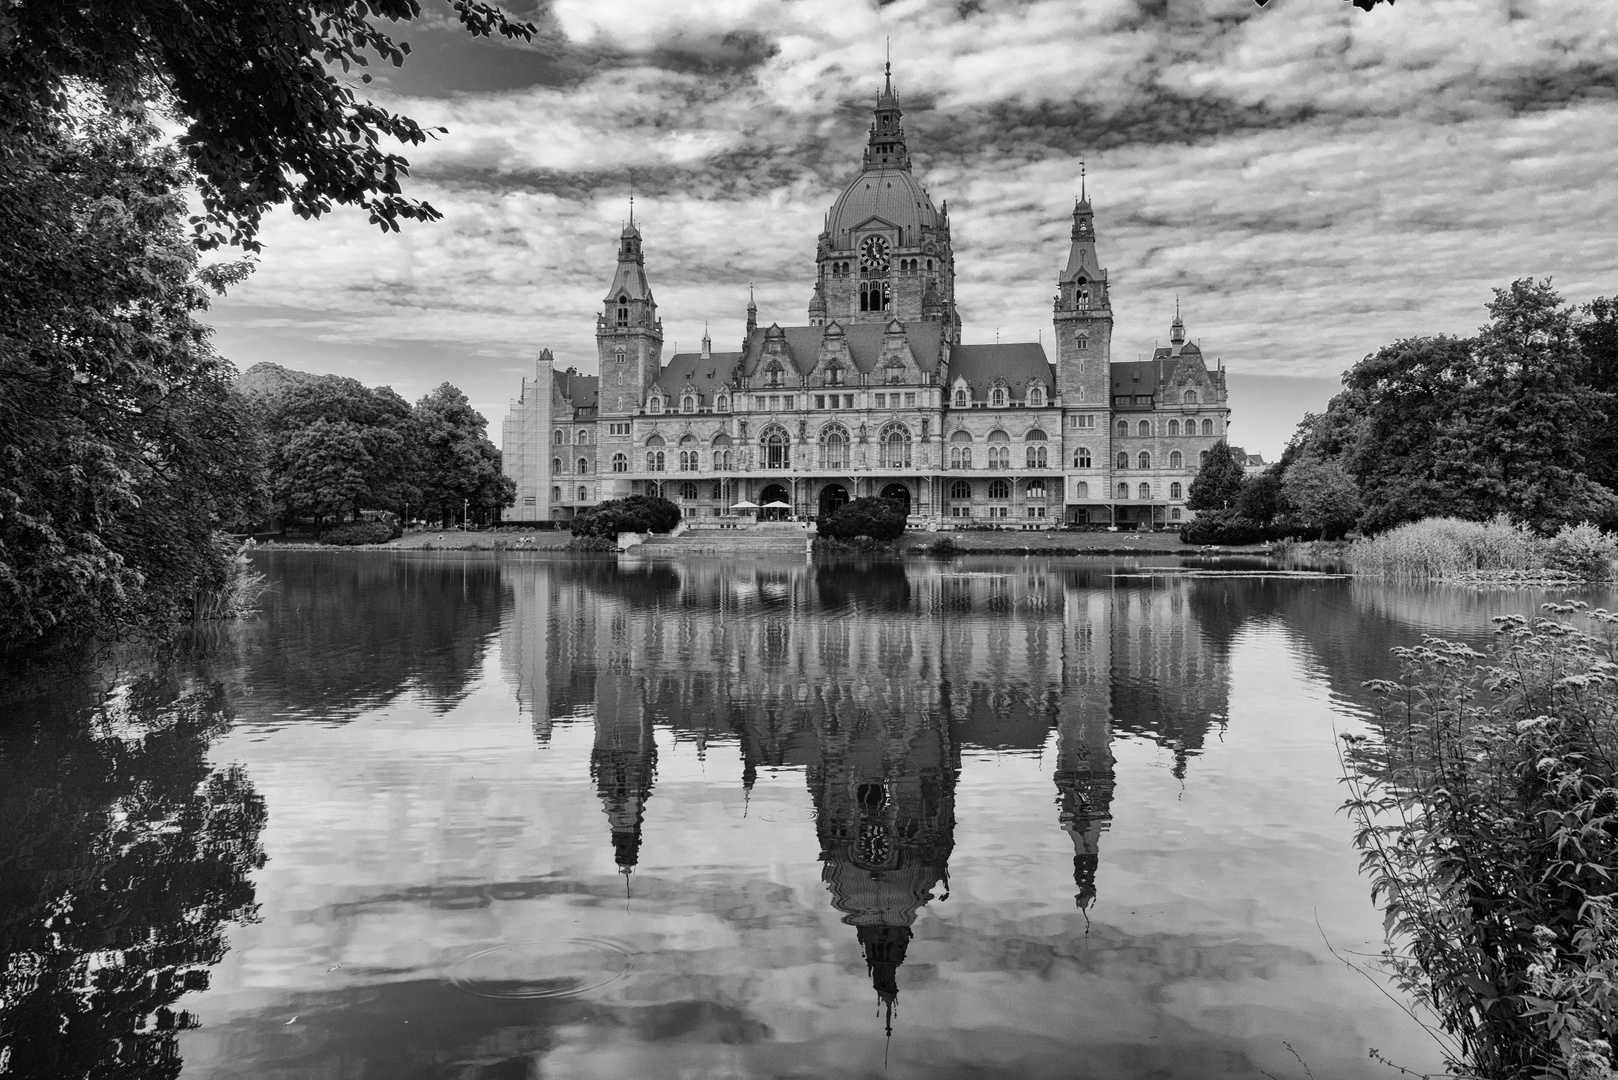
{"points": [[1083, 317], [629, 334], [885, 252], [525, 443]]}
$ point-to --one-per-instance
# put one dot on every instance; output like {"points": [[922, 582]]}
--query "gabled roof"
{"points": [[707, 374], [583, 391], [1143, 376], [925, 339], [1015, 362]]}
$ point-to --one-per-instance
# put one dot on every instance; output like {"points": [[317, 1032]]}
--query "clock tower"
{"points": [[885, 252], [1083, 317]]}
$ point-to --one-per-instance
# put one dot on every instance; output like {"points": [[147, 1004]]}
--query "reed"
{"points": [[1449, 549], [243, 588]]}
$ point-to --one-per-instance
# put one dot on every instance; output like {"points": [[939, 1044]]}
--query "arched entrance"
{"points": [[832, 498], [899, 493], [773, 493]]}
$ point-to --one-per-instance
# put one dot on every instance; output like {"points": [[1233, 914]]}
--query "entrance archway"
{"points": [[899, 493], [773, 493], [832, 498]]}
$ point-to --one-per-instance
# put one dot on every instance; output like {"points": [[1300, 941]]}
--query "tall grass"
{"points": [[239, 595], [1447, 549]]}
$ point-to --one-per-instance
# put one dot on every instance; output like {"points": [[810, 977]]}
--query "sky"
{"points": [[1309, 180]]}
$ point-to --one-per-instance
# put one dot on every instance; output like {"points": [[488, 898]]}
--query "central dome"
{"points": [[893, 195]]}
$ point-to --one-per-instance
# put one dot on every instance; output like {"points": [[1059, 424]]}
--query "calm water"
{"points": [[497, 818]]}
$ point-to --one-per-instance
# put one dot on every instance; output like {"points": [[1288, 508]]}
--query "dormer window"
{"points": [[688, 403], [722, 403], [1190, 397], [997, 397], [655, 405], [962, 399], [1036, 397]]}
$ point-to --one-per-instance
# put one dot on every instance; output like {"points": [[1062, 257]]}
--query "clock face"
{"points": [[874, 253]]}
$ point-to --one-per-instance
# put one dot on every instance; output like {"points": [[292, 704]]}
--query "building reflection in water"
{"points": [[873, 681]]}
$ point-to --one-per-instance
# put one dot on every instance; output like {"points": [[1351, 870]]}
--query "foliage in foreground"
{"points": [[1486, 814], [1452, 549], [637, 513], [1221, 527], [870, 516]]}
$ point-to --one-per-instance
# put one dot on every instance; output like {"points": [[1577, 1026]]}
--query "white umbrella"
{"points": [[777, 505], [744, 505]]}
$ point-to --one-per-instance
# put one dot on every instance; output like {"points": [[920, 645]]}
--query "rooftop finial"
{"points": [[1084, 194], [887, 69]]}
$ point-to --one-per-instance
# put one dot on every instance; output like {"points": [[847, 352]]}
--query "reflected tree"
{"points": [[122, 857]]}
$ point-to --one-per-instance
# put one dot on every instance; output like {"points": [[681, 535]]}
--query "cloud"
{"points": [[1312, 181]]}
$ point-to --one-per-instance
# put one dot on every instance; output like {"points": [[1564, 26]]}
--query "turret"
{"points": [[1083, 313]]}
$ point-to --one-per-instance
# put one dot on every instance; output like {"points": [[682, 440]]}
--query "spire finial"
{"points": [[1084, 194], [887, 69]]}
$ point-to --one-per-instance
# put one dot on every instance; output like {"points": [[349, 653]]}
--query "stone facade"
{"points": [[875, 394]]}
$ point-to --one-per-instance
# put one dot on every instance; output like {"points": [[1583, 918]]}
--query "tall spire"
{"points": [[886, 147], [1177, 327]]}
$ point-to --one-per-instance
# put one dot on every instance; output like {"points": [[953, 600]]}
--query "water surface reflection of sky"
{"points": [[552, 818]]}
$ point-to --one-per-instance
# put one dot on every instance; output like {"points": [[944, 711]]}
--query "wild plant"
{"points": [[1584, 550], [1486, 814], [1447, 548]]}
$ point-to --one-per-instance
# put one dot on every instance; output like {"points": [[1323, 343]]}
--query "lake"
{"points": [[510, 817]]}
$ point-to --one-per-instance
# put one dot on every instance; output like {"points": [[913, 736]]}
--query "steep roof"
{"points": [[706, 373], [1143, 376], [1016, 362], [583, 390]]}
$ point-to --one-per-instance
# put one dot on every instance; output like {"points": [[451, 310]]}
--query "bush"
{"points": [[944, 545], [1447, 548], [1483, 812], [637, 513], [359, 532], [1583, 550], [879, 519], [1221, 527]]}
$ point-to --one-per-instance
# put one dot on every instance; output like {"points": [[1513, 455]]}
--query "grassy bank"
{"points": [[1450, 549], [1486, 813]]}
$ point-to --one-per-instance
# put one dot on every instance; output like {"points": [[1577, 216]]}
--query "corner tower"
{"points": [[1083, 315], [629, 334], [885, 252]]}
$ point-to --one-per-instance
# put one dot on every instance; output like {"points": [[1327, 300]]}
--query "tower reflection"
{"points": [[875, 681]]}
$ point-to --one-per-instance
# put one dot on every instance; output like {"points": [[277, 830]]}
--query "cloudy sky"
{"points": [[1311, 180]]}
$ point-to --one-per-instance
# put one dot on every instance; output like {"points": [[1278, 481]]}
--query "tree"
{"points": [[268, 116], [1261, 498], [458, 463], [1218, 482], [637, 513], [1323, 495], [877, 518], [122, 450]]}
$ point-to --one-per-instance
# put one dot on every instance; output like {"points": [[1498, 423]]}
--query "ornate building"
{"points": [[875, 394]]}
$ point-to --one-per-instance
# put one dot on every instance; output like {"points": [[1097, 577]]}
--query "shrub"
{"points": [[1447, 548], [944, 545], [879, 519], [1583, 550], [358, 532], [1221, 527], [637, 513], [1484, 814]]}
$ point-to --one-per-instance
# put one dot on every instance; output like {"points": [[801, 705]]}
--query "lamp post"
{"points": [[465, 504]]}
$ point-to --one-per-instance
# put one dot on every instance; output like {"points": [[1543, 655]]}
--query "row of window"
{"points": [[1188, 398], [556, 495], [582, 436], [1144, 427], [557, 465], [959, 491], [999, 398]]}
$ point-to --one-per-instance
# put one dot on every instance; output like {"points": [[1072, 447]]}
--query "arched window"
{"points": [[962, 399], [999, 490], [722, 459], [584, 465], [1081, 458], [1175, 490], [776, 447], [688, 491], [556, 494], [1144, 428], [584, 437], [1190, 397], [893, 447], [1174, 427], [620, 463], [834, 447], [999, 449], [1123, 459], [1035, 489], [1081, 490], [556, 465], [690, 460], [1037, 454], [1144, 461], [560, 438], [655, 405], [654, 461], [722, 403], [1036, 397], [1123, 491], [960, 490], [1123, 427], [623, 311], [688, 403], [584, 494], [960, 450], [1202, 458], [997, 397], [1176, 460], [1146, 491], [1207, 427], [1174, 514]]}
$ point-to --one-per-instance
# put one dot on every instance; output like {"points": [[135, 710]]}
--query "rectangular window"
{"points": [[1143, 399], [790, 401], [528, 500], [882, 401], [760, 402], [1036, 511], [1121, 399], [820, 401], [848, 401], [1081, 421], [910, 401], [999, 511]]}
